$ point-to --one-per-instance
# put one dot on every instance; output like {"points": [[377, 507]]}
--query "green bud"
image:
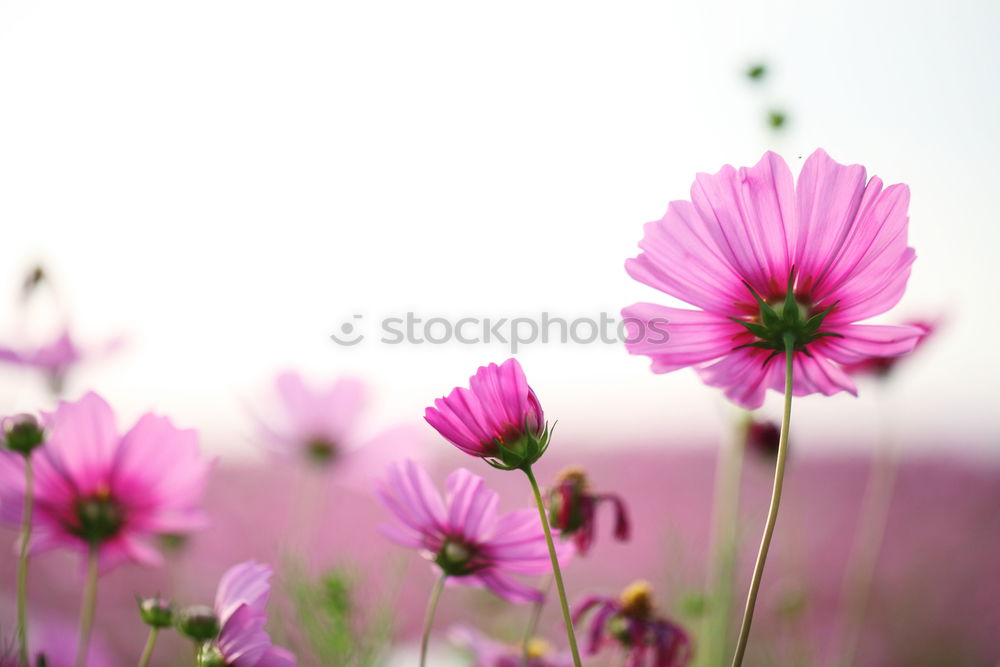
{"points": [[209, 655], [156, 612], [198, 623], [22, 434]]}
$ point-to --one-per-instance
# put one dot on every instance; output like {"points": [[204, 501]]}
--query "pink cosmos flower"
{"points": [[240, 605], [631, 622], [882, 367], [498, 418], [462, 534], [96, 488], [763, 258], [56, 359], [488, 652], [573, 509]]}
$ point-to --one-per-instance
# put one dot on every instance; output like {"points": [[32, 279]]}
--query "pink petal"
{"points": [[675, 338]]}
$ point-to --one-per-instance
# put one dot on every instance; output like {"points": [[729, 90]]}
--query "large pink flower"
{"points": [[838, 239], [96, 488], [240, 604], [463, 534], [497, 418]]}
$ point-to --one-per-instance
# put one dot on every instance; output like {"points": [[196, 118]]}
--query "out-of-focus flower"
{"points": [[54, 638], [498, 418], [463, 534], [762, 438], [882, 367], [317, 424], [488, 652], [631, 622], [769, 263], [573, 509], [55, 360], [97, 489], [239, 610]]}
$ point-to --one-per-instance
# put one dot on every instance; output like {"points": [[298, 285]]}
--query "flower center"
{"points": [[98, 517], [321, 451], [455, 558], [637, 600], [538, 648]]}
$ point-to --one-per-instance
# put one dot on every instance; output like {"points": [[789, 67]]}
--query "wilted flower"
{"points": [[488, 652], [498, 418], [771, 264], [240, 615], [96, 489], [573, 509], [882, 367], [631, 622], [463, 535]]}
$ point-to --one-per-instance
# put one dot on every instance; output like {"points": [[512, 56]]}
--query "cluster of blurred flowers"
{"points": [[778, 274]]}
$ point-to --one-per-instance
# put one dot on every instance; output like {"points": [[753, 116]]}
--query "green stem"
{"points": [[536, 615], [88, 607], [22, 564], [863, 560], [556, 572], [725, 543], [147, 651], [429, 619], [772, 512]]}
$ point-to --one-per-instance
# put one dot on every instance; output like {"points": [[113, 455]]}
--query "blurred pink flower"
{"points": [[881, 367], [94, 487], [497, 418], [240, 603], [632, 623], [317, 424], [463, 534], [488, 652], [56, 359], [744, 237], [55, 638], [573, 509]]}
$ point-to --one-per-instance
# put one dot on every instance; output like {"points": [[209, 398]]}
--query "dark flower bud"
{"points": [[199, 623], [763, 438], [22, 434], [156, 612]]}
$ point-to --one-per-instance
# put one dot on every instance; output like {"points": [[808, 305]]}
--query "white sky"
{"points": [[228, 181]]}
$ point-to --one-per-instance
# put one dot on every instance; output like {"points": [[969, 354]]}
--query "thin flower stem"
{"points": [[22, 564], [147, 651], [88, 608], [725, 543], [865, 551], [536, 614], [556, 572], [772, 512], [429, 619]]}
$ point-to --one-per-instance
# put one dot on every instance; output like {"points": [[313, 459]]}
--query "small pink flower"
{"points": [[96, 488], [632, 623], [55, 360], [318, 424], [762, 258], [882, 367], [462, 534], [488, 652], [498, 418], [573, 509], [240, 605]]}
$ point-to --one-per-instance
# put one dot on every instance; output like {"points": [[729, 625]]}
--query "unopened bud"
{"points": [[199, 623], [22, 433], [156, 612]]}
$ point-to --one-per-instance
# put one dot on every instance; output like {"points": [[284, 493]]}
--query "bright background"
{"points": [[228, 181]]}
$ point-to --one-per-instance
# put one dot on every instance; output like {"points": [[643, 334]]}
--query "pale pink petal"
{"points": [[675, 338]]}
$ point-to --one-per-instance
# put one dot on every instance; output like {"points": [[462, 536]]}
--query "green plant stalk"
{"points": [[772, 512], [22, 564], [556, 572], [432, 604], [147, 651], [88, 607]]}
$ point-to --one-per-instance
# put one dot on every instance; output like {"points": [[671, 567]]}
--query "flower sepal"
{"points": [[522, 452]]}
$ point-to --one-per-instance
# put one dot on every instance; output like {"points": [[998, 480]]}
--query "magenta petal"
{"points": [[676, 338]]}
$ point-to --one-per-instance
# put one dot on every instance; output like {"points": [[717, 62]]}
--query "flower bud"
{"points": [[199, 623], [156, 612], [22, 434], [209, 655], [763, 438]]}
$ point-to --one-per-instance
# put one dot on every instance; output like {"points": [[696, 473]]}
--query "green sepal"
{"points": [[523, 452]]}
